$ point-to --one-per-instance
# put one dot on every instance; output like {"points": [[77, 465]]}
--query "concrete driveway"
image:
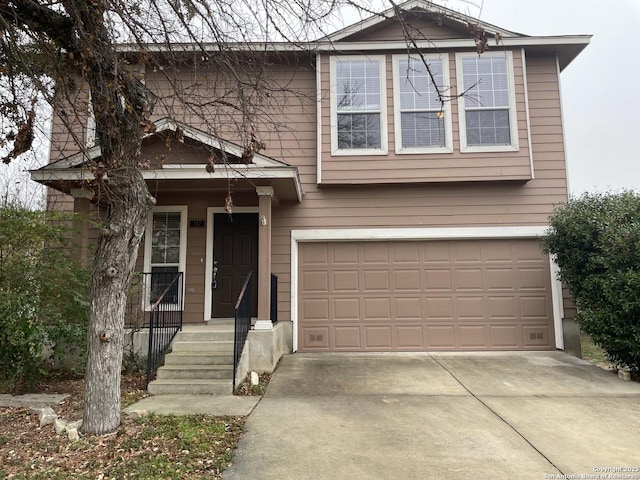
{"points": [[445, 415]]}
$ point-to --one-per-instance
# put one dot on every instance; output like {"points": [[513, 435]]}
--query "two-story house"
{"points": [[392, 220]]}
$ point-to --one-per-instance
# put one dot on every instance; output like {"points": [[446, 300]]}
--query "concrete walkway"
{"points": [[31, 400], [440, 416], [218, 405]]}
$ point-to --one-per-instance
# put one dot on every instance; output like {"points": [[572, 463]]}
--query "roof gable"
{"points": [[432, 21], [164, 126]]}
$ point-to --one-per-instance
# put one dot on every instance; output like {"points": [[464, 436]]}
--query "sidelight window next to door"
{"points": [[165, 251]]}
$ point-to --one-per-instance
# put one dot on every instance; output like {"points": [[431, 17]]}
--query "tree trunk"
{"points": [[129, 202]]}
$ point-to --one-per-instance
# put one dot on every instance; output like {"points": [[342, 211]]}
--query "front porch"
{"points": [[207, 358]]}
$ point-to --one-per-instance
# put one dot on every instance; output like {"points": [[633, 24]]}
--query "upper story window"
{"points": [[487, 109], [358, 105], [422, 120]]}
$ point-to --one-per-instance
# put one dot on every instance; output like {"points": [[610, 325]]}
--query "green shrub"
{"points": [[43, 292], [596, 241]]}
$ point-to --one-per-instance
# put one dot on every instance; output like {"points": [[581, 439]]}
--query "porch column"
{"points": [[82, 206], [265, 196]]}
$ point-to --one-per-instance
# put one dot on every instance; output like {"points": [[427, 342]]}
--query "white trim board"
{"points": [[453, 233]]}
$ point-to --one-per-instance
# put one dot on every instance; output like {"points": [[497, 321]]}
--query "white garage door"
{"points": [[424, 295]]}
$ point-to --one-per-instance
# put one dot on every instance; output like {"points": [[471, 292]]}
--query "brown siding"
{"points": [[456, 204], [420, 28]]}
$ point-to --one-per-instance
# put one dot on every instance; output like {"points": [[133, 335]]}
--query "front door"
{"points": [[235, 254]]}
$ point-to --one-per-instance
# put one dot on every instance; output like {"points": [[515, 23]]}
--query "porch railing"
{"points": [[242, 322], [163, 299], [274, 298]]}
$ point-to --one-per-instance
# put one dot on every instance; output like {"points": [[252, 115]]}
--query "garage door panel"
{"points": [[536, 335], [406, 253], [408, 308], [441, 337], [315, 254], [346, 281], [424, 295], [346, 255], [439, 308], [315, 309], [376, 253], [503, 279], [470, 308], [347, 338], [534, 307], [406, 280], [497, 251], [410, 337], [532, 278], [378, 337], [467, 252], [503, 307], [468, 279], [376, 280], [377, 308], [436, 253], [472, 337], [316, 281], [505, 336], [346, 309], [315, 338], [438, 280]]}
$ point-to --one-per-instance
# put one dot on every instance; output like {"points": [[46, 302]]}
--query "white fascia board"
{"points": [[330, 44], [181, 173], [453, 233], [454, 43], [176, 173]]}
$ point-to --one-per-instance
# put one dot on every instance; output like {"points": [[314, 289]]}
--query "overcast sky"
{"points": [[600, 88]]}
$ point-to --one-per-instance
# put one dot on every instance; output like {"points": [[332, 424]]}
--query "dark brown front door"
{"points": [[235, 254]]}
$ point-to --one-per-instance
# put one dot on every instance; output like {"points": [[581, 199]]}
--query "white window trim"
{"points": [[90, 140], [182, 266], [383, 150], [513, 117], [451, 233], [448, 130]]}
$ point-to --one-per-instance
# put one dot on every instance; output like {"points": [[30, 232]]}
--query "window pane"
{"points": [[417, 90], [485, 82], [161, 278], [359, 131], [358, 85], [165, 237], [422, 129], [488, 127]]}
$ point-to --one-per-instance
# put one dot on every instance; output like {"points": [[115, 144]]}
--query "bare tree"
{"points": [[79, 55]]}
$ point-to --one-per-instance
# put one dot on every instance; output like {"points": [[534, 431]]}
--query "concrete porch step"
{"points": [[198, 358], [171, 386], [205, 334], [202, 372], [213, 346]]}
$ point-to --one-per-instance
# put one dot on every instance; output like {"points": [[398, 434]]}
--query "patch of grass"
{"points": [[593, 353]]}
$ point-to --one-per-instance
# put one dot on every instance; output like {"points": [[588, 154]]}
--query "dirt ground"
{"points": [[147, 448]]}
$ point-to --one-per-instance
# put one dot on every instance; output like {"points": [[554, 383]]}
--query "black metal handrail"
{"points": [[164, 299], [274, 298], [242, 323]]}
